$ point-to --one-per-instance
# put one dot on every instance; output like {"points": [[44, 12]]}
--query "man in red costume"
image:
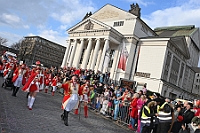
{"points": [[32, 85], [71, 97]]}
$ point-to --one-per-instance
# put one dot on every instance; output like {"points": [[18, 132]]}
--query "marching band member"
{"points": [[54, 84], [71, 97], [47, 81], [19, 76], [41, 80], [32, 85], [85, 97]]}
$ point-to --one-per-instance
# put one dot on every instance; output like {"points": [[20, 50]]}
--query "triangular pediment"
{"points": [[89, 24], [180, 43], [111, 13]]}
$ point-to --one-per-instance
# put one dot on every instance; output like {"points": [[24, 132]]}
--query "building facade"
{"points": [[162, 58], [34, 48], [173, 54], [96, 42]]}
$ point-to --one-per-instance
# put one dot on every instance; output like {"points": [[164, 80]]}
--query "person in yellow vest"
{"points": [[146, 114], [165, 117]]}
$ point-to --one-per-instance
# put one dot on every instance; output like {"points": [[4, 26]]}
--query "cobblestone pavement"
{"points": [[45, 116]]}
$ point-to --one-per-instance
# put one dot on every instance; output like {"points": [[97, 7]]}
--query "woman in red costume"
{"points": [[47, 80], [19, 76], [71, 97], [32, 85], [54, 84], [85, 97]]}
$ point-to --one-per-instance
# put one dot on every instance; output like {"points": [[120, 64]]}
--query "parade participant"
{"points": [[71, 97], [32, 85], [85, 97], [47, 81], [54, 84], [8, 77], [19, 76], [70, 101], [41, 80]]}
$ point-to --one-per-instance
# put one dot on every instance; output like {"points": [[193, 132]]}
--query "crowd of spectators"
{"points": [[142, 113]]}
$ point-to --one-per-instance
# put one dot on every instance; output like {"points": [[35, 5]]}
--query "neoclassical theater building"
{"points": [[121, 43]]}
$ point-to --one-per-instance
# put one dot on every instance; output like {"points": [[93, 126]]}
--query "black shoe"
{"points": [[66, 123], [62, 117], [66, 117]]}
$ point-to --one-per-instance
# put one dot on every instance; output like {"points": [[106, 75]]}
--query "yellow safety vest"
{"points": [[145, 119]]}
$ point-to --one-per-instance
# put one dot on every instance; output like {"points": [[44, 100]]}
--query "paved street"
{"points": [[45, 116]]}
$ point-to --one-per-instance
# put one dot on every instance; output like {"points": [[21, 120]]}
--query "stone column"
{"points": [[64, 63], [90, 58], [79, 53], [87, 53], [106, 46], [96, 50], [98, 60], [114, 65], [72, 54]]}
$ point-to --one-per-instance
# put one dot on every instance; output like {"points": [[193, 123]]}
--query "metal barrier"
{"points": [[110, 108]]}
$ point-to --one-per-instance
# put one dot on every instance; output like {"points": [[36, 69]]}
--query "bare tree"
{"points": [[17, 45], [3, 41]]}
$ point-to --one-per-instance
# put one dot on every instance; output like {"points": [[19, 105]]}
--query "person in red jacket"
{"points": [[42, 80], [133, 110], [19, 78], [46, 81], [85, 96], [54, 84], [32, 85], [70, 101]]}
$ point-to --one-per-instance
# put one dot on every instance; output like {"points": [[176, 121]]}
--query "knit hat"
{"points": [[180, 118]]}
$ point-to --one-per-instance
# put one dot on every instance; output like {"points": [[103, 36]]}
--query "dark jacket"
{"points": [[187, 116], [197, 131]]}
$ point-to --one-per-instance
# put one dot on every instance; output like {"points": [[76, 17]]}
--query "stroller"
{"points": [[8, 80]]}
